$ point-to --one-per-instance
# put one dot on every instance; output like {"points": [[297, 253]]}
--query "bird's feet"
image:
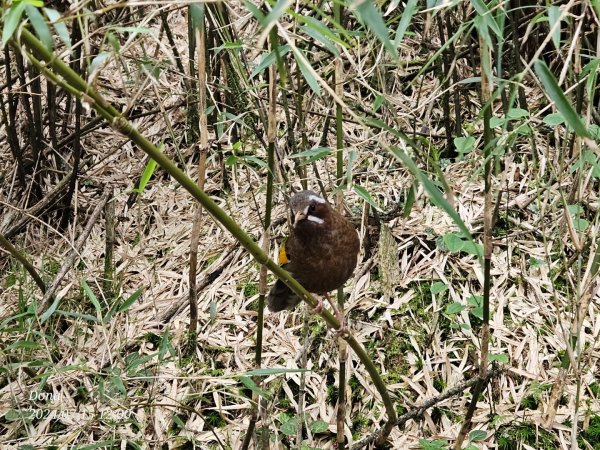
{"points": [[343, 329], [319, 308]]}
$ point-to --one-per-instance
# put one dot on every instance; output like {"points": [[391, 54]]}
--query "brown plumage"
{"points": [[321, 249]]}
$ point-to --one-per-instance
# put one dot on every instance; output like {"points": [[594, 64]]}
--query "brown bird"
{"points": [[320, 252]]}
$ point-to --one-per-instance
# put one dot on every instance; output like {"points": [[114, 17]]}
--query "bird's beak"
{"points": [[300, 215]]}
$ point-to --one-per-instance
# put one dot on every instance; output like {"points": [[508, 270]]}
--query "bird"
{"points": [[320, 252]]}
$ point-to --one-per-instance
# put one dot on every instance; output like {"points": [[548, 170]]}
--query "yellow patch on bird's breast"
{"points": [[282, 258]]}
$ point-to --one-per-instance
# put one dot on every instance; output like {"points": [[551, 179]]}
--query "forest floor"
{"points": [[414, 302]]}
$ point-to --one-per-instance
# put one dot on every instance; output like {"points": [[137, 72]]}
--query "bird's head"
{"points": [[309, 210]]}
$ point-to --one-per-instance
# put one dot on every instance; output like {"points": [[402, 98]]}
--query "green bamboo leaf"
{"points": [[596, 6], [435, 444], [12, 20], [362, 193], [588, 157], [59, 25], [487, 18], [500, 17], [315, 151], [30, 345], [12, 415], [86, 317], [256, 13], [111, 311], [410, 201], [470, 80], [16, 317], [146, 175], [478, 312], [500, 357], [130, 301], [312, 154], [178, 421], [276, 12], [553, 19], [307, 70], [591, 71], [42, 362], [473, 248], [371, 17], [165, 346], [250, 384], [97, 63], [118, 384], [237, 119], [113, 40], [231, 161], [197, 14], [378, 102], [497, 121], [322, 28], [407, 14], [269, 59], [92, 297], [253, 161], [316, 35], [476, 301], [50, 310], [235, 45], [580, 225], [39, 25], [556, 94]]}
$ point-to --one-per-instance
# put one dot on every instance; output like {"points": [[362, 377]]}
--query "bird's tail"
{"points": [[281, 297]]}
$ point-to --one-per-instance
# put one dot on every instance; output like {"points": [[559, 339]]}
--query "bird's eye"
{"points": [[312, 208]]}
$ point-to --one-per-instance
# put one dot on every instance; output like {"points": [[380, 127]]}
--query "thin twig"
{"points": [[216, 269]]}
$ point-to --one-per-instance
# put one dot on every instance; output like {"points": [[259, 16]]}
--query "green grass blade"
{"points": [[409, 11], [556, 94]]}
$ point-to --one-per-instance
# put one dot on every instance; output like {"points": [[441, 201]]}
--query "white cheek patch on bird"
{"points": [[316, 198], [315, 219]]}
